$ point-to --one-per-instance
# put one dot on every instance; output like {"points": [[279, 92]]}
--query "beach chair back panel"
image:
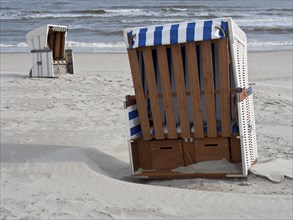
{"points": [[245, 107]]}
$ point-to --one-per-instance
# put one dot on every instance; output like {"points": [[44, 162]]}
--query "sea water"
{"points": [[97, 25]]}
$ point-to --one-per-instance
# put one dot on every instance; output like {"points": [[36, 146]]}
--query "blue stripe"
{"points": [[174, 34], [235, 128], [142, 37], [129, 35], [190, 32], [224, 26], [158, 36], [134, 130], [207, 30], [133, 114]]}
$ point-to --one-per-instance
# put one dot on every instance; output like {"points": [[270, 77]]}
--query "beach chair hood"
{"points": [[183, 32], [38, 38]]}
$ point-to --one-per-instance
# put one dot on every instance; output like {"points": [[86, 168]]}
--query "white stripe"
{"points": [[216, 31], [178, 128], [131, 108], [135, 38], [133, 137], [150, 36], [125, 35], [133, 122], [199, 31], [182, 33], [166, 34], [127, 125]]}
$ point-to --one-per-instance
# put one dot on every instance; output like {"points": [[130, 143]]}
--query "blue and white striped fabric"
{"points": [[134, 129], [176, 33]]}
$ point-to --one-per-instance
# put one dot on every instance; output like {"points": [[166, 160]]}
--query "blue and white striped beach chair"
{"points": [[192, 100]]}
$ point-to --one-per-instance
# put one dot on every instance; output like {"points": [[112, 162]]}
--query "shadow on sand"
{"points": [[96, 160]]}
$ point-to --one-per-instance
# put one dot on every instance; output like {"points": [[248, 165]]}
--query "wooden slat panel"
{"points": [[194, 90], [209, 88], [153, 92], [224, 86], [167, 92], [180, 88], [62, 45], [57, 45], [139, 94]]}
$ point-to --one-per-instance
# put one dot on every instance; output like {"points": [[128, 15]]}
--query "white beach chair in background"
{"points": [[50, 58], [192, 100]]}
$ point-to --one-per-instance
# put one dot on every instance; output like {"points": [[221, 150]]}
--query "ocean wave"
{"points": [[22, 44], [51, 15], [280, 9], [10, 15], [90, 11], [269, 43], [75, 44], [265, 21], [122, 11], [104, 11], [270, 29], [147, 21], [182, 6], [173, 9], [96, 31]]}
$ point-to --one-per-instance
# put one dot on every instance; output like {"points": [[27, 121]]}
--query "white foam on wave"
{"points": [[22, 44], [124, 11], [270, 43], [121, 47], [9, 15], [49, 15], [75, 44]]}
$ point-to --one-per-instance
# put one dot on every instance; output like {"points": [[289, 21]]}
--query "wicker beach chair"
{"points": [[50, 58], [192, 100]]}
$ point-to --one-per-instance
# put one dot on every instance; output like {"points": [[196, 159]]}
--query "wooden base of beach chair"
{"points": [[176, 175], [206, 149], [157, 159]]}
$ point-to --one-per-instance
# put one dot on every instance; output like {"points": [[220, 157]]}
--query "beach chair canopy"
{"points": [[176, 33], [49, 37]]}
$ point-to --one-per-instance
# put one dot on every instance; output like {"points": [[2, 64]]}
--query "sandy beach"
{"points": [[64, 153]]}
